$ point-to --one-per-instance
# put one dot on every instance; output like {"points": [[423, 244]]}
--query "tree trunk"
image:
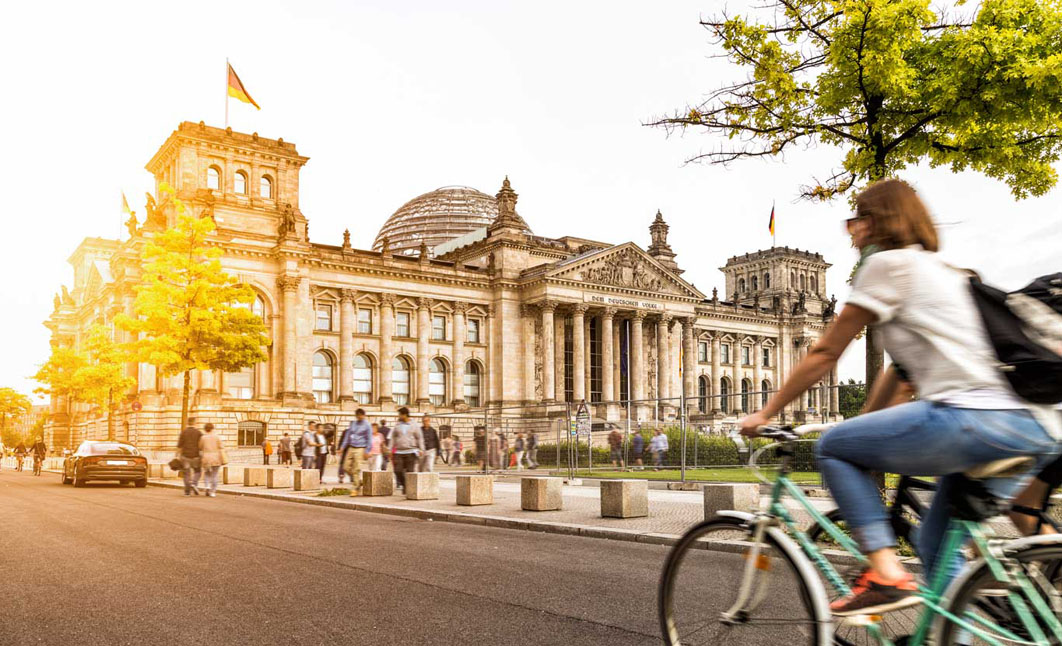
{"points": [[184, 398], [110, 416]]}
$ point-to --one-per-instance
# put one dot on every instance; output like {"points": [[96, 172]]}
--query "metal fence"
{"points": [[700, 438]]}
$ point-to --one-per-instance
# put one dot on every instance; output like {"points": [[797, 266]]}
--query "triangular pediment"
{"points": [[625, 267]]}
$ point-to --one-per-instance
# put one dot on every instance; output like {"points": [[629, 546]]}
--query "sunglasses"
{"points": [[849, 224]]}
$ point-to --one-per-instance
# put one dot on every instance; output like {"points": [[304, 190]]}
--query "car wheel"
{"points": [[78, 482], [66, 480], [141, 483]]}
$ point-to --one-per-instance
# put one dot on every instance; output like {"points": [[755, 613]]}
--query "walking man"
{"points": [[308, 448], [267, 450], [322, 449], [431, 446], [407, 443], [385, 454], [518, 448], [532, 450], [357, 441], [188, 452], [658, 446], [615, 444], [446, 445], [285, 449], [637, 445]]}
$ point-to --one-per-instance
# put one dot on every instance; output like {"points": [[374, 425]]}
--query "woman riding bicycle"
{"points": [[966, 414]]}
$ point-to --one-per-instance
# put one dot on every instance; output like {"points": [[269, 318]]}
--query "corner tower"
{"points": [[778, 271]]}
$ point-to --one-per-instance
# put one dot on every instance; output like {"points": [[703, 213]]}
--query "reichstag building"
{"points": [[460, 306]]}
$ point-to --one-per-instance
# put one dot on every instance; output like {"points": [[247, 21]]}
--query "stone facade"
{"points": [[498, 317]]}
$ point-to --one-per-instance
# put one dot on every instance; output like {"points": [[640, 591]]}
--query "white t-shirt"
{"points": [[929, 324]]}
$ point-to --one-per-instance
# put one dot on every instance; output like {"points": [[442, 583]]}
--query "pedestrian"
{"points": [[532, 450], [447, 448], [615, 445], [407, 443], [285, 449], [343, 452], [385, 453], [503, 450], [212, 456], [323, 448], [519, 446], [431, 445], [188, 452], [480, 443], [658, 447], [306, 447], [357, 442], [637, 445], [458, 453], [376, 453], [267, 450]]}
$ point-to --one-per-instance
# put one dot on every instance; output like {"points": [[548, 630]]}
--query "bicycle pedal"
{"points": [[763, 562]]}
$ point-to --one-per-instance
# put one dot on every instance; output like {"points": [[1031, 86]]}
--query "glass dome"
{"points": [[437, 217]]}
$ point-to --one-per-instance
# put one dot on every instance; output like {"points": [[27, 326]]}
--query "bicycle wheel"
{"points": [[699, 588], [982, 596]]}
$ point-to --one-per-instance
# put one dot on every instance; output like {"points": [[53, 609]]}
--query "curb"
{"points": [[504, 522]]}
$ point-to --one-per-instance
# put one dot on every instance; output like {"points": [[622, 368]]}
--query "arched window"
{"points": [[741, 285], [746, 387], [240, 184], [766, 280], [724, 395], [240, 384], [400, 381], [265, 187], [258, 307], [214, 178], [814, 284], [702, 394], [803, 282], [250, 433], [755, 283], [322, 377], [362, 379], [792, 280], [765, 391], [437, 382], [472, 379]]}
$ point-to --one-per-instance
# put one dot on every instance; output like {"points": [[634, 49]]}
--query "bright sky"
{"points": [[390, 100]]}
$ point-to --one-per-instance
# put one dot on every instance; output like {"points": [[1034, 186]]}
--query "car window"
{"points": [[106, 448]]}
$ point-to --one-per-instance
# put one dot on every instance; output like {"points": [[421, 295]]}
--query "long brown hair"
{"points": [[897, 216]]}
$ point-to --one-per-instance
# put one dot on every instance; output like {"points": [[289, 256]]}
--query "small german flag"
{"points": [[236, 89], [125, 205], [770, 227]]}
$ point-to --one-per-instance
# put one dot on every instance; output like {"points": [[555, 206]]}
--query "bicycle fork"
{"points": [[757, 567]]}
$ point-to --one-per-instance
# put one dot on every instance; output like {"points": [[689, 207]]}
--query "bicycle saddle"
{"points": [[971, 500], [1001, 468]]}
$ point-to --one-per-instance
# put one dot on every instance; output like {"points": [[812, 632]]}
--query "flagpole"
{"points": [[774, 224], [226, 92]]}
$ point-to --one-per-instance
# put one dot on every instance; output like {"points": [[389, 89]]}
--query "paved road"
{"points": [[112, 565]]}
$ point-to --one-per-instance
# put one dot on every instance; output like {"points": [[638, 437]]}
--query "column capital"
{"points": [[608, 313], [424, 303], [638, 315], [288, 283], [528, 310], [580, 308], [347, 295], [460, 307], [547, 305], [490, 311], [665, 318], [387, 299]]}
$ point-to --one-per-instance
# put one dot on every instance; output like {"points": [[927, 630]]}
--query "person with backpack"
{"points": [[615, 445], [519, 447], [967, 413], [306, 446], [407, 443], [285, 449], [385, 456], [323, 449], [267, 450], [637, 446]]}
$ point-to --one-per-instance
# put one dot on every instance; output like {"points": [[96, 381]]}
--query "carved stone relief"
{"points": [[627, 269]]}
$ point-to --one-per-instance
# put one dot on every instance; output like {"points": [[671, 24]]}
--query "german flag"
{"points": [[770, 226], [125, 205], [236, 89]]}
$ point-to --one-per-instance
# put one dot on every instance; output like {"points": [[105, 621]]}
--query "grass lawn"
{"points": [[722, 474]]}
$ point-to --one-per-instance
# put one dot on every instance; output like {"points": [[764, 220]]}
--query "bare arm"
{"points": [[884, 391]]}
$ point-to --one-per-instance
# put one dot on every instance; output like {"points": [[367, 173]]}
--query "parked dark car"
{"points": [[102, 460]]}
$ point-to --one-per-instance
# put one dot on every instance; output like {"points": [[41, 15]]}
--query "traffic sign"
{"points": [[582, 419]]}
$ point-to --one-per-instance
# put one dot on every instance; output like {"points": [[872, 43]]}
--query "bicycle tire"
{"points": [[995, 607], [734, 530]]}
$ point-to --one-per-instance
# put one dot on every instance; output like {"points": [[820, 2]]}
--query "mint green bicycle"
{"points": [[756, 578]]}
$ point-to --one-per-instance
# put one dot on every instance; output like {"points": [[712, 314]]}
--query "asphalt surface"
{"points": [[119, 565]]}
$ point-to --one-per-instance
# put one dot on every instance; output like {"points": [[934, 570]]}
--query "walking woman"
{"points": [[376, 452], [212, 456]]}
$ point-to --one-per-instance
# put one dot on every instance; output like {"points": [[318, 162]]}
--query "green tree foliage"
{"points": [[852, 397], [12, 404], [102, 379], [191, 315], [890, 84]]}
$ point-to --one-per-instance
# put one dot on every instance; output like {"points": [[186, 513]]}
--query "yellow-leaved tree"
{"points": [[12, 404], [102, 378], [190, 314]]}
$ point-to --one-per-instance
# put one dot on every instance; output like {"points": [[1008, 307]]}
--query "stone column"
{"points": [[636, 361], [578, 353], [835, 393], [460, 332], [423, 336], [757, 378], [663, 359], [674, 374], [387, 332], [804, 400], [689, 363], [608, 389], [289, 285], [617, 379], [549, 392], [528, 313], [717, 373], [558, 356], [346, 345], [735, 376]]}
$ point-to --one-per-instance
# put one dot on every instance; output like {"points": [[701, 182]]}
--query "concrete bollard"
{"points": [[377, 483], [720, 497], [422, 486], [540, 494], [155, 470], [254, 476], [232, 474], [475, 490], [624, 498], [305, 479], [279, 478]]}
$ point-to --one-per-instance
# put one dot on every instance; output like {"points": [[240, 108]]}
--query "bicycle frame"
{"points": [[1005, 569]]}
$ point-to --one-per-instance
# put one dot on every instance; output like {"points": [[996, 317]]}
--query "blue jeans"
{"points": [[923, 439]]}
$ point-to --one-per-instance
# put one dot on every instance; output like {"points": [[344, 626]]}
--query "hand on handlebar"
{"points": [[750, 424]]}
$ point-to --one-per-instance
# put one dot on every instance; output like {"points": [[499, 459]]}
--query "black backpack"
{"points": [[1025, 328], [300, 444]]}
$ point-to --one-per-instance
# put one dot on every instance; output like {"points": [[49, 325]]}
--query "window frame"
{"points": [[724, 353], [217, 176], [318, 308], [363, 396], [408, 325], [766, 357], [239, 178], [473, 324], [400, 398], [266, 181], [472, 372], [437, 333], [437, 381], [702, 352], [247, 390], [360, 320], [322, 396], [746, 355], [260, 433]]}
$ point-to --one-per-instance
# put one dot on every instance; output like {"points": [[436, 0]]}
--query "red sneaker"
{"points": [[871, 594]]}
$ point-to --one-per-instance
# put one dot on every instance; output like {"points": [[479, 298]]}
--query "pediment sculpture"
{"points": [[627, 269]]}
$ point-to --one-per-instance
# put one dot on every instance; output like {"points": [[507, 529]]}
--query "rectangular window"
{"points": [[250, 433], [438, 328], [437, 388], [362, 382], [472, 335], [766, 357], [724, 353], [324, 317], [746, 357], [472, 388], [240, 385], [364, 321], [402, 324], [702, 352]]}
